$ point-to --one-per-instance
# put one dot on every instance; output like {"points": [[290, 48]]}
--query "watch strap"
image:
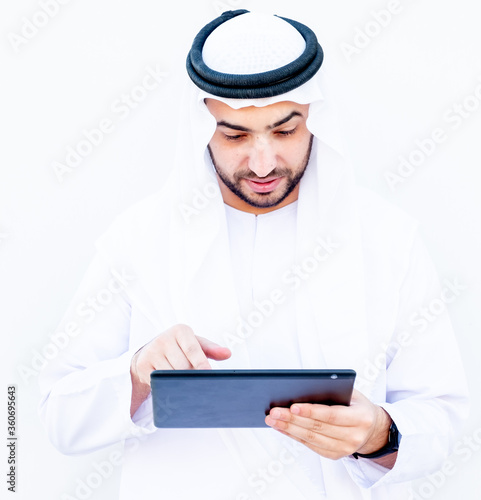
{"points": [[391, 447]]}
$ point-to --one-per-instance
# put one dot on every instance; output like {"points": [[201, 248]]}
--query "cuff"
{"points": [[142, 421], [364, 471]]}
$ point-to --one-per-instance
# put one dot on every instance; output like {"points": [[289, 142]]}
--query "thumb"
{"points": [[213, 350]]}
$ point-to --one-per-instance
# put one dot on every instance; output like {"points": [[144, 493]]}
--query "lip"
{"points": [[264, 185]]}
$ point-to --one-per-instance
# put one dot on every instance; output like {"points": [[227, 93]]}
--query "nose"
{"points": [[262, 157]]}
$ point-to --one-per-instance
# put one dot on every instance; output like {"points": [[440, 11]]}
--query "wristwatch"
{"points": [[392, 445]]}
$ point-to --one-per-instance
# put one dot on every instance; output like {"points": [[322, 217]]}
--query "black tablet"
{"points": [[240, 398]]}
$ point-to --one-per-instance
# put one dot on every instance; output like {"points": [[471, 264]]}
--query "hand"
{"points": [[334, 431], [175, 349]]}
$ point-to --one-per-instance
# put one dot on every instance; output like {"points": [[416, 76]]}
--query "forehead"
{"points": [[254, 116]]}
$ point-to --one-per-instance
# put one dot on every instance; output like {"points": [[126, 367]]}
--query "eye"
{"points": [[233, 138], [285, 133]]}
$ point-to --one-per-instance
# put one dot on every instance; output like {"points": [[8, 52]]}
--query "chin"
{"points": [[267, 200]]}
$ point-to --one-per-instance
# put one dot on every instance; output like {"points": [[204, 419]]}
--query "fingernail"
{"points": [[275, 413], [296, 410]]}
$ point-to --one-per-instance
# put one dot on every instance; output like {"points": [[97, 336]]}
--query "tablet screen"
{"points": [[240, 398]]}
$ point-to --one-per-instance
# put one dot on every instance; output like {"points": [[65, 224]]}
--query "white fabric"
{"points": [[270, 328], [263, 43], [371, 274], [87, 388], [262, 249]]}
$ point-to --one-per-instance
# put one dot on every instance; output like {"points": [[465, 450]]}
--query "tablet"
{"points": [[240, 398]]}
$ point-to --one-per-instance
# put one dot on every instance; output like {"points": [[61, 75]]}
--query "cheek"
{"points": [[294, 154], [227, 158]]}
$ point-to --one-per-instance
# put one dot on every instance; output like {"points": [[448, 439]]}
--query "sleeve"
{"points": [[425, 386], [86, 388]]}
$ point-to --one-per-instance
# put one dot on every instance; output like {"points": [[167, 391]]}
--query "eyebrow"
{"points": [[269, 127]]}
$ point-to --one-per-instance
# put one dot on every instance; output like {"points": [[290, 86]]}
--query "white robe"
{"points": [[415, 373], [262, 250]]}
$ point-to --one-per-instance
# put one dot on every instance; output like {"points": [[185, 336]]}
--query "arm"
{"points": [[422, 388], [86, 387], [94, 387]]}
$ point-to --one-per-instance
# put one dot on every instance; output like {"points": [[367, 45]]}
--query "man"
{"points": [[261, 253]]}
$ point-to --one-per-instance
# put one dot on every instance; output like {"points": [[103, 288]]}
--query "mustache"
{"points": [[248, 174]]}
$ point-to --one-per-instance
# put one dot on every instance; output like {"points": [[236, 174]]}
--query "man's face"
{"points": [[260, 154]]}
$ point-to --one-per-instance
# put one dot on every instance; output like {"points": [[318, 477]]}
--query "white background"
{"points": [[393, 92]]}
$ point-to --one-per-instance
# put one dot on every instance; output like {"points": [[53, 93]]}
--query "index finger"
{"points": [[192, 350], [336, 415]]}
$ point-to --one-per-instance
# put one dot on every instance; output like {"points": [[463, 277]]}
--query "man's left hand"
{"points": [[334, 431]]}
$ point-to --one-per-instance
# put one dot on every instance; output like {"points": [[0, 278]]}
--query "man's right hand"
{"points": [[175, 349]]}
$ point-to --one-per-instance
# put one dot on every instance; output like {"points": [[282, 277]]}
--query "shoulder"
{"points": [[139, 214], [388, 232], [382, 220], [137, 226]]}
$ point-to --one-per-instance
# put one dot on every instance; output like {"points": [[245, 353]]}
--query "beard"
{"points": [[263, 200]]}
